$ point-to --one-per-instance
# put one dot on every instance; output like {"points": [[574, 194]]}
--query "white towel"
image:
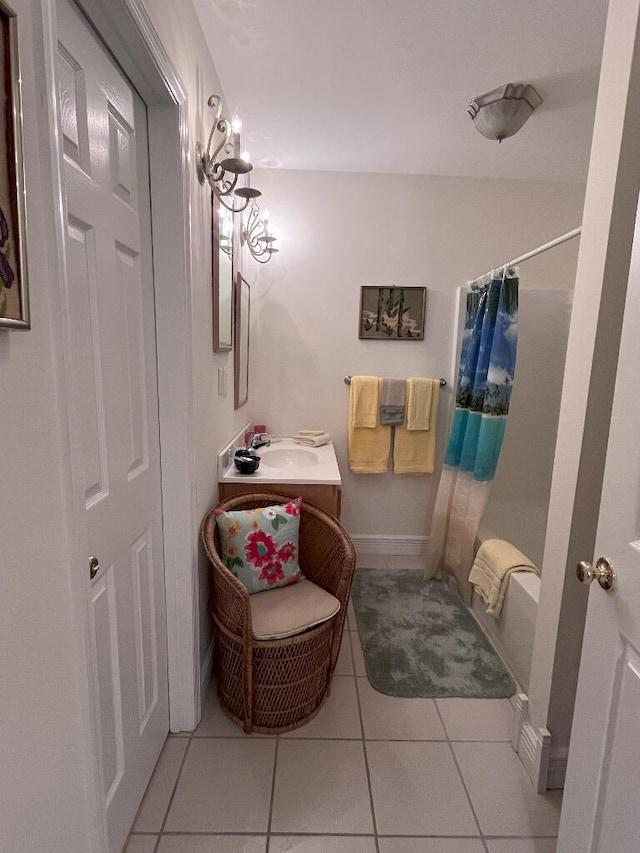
{"points": [[312, 438], [494, 563]]}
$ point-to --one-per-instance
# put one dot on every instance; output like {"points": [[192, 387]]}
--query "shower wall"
{"points": [[519, 498]]}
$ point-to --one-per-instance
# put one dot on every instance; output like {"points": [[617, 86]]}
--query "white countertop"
{"points": [[318, 466]]}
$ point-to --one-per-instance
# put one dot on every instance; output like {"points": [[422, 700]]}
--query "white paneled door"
{"points": [[114, 388], [601, 811], [601, 807]]}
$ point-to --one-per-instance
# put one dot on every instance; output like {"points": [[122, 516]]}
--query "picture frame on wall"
{"points": [[222, 274], [393, 313], [14, 290]]}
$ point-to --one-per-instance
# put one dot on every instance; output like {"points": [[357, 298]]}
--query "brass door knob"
{"points": [[94, 566], [603, 573]]}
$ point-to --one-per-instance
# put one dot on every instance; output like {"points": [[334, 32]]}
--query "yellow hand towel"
{"points": [[419, 398], [414, 449], [492, 568], [364, 399], [369, 443]]}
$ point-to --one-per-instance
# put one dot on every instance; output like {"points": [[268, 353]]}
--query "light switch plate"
{"points": [[222, 382]]}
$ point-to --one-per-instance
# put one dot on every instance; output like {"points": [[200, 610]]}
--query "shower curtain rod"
{"points": [[550, 245]]}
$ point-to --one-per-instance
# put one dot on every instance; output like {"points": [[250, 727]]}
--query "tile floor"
{"points": [[370, 774]]}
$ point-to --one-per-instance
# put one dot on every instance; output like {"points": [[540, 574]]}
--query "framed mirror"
{"points": [[241, 352], [222, 275]]}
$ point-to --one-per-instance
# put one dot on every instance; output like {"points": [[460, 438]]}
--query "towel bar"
{"points": [[347, 381]]}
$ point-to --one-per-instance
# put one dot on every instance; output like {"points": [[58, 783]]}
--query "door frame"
{"points": [[128, 33]]}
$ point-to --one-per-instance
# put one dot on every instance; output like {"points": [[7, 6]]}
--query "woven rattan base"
{"points": [[277, 685], [290, 679]]}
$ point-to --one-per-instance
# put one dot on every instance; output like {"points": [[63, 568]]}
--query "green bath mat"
{"points": [[419, 639]]}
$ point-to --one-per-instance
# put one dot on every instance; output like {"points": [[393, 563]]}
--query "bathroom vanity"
{"points": [[289, 469]]}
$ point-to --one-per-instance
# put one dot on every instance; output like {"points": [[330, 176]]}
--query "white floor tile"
{"points": [[477, 719], [338, 717], [522, 845], [213, 844], [216, 724], [417, 790], [394, 718], [321, 786], [431, 845], [321, 844], [141, 844], [225, 786], [358, 654], [158, 795], [502, 794], [344, 664]]}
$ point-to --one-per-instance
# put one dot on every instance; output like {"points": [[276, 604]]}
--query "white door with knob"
{"points": [[115, 416], [601, 805], [601, 808]]}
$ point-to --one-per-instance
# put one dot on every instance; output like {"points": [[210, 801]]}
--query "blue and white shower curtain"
{"points": [[483, 393]]}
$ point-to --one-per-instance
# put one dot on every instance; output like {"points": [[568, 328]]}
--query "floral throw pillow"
{"points": [[260, 546]]}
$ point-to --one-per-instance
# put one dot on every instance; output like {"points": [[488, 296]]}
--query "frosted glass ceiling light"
{"points": [[502, 112]]}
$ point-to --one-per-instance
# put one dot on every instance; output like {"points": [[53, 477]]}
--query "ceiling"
{"points": [[383, 85]]}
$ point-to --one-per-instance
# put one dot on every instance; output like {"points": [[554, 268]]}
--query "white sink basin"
{"points": [[282, 462], [288, 457]]}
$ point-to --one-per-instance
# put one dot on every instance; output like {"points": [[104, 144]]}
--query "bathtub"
{"points": [[512, 634]]}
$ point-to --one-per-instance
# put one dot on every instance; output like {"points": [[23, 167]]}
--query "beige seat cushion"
{"points": [[288, 610]]}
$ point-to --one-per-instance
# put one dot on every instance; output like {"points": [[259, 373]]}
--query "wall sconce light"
{"points": [[502, 112], [222, 175], [256, 235]]}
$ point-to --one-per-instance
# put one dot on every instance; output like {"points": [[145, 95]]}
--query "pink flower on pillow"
{"points": [[293, 507], [287, 552], [272, 573], [260, 548], [293, 578]]}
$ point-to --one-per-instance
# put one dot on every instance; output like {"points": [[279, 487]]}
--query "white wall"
{"points": [[45, 753], [340, 231], [215, 419]]}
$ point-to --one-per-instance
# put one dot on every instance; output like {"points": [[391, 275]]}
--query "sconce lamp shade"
{"points": [[502, 112]]}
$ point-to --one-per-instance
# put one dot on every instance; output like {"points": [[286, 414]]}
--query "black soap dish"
{"points": [[246, 461]]}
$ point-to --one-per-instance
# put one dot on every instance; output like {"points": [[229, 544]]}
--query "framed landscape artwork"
{"points": [[14, 295], [392, 313]]}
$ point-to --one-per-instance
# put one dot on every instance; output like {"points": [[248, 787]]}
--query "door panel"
{"points": [[601, 806], [111, 298]]}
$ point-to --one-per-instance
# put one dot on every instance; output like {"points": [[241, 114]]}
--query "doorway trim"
{"points": [[128, 33]]}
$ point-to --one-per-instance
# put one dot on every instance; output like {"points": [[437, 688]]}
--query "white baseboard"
{"points": [[520, 705], [534, 750], [413, 546]]}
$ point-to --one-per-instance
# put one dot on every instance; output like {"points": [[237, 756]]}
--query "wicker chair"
{"points": [[271, 686]]}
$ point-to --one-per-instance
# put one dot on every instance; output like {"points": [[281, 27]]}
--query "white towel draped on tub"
{"points": [[494, 562]]}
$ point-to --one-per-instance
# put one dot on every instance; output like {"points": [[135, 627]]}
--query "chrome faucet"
{"points": [[259, 440]]}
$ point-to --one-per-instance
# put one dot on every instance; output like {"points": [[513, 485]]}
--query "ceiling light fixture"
{"points": [[502, 112], [257, 236], [222, 175]]}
